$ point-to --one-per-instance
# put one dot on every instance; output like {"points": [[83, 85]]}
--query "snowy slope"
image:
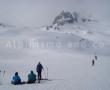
{"points": [[67, 51], [66, 71]]}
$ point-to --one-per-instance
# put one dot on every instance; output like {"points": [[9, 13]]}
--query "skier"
{"points": [[16, 79], [95, 57], [93, 62], [31, 77], [39, 71]]}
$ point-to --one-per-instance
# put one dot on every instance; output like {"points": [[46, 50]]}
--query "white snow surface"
{"points": [[69, 63]]}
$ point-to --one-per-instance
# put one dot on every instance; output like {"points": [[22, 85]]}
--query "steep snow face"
{"points": [[63, 18], [68, 18]]}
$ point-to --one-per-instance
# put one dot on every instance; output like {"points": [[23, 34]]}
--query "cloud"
{"points": [[42, 12]]}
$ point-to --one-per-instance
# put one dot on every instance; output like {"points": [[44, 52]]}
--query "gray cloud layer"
{"points": [[42, 12]]}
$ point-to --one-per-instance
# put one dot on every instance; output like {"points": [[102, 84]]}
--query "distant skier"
{"points": [[39, 71], [16, 79], [31, 77], [93, 62], [95, 57]]}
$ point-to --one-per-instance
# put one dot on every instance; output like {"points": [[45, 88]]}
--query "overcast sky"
{"points": [[42, 12]]}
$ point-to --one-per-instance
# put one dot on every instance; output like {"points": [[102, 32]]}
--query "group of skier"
{"points": [[31, 76]]}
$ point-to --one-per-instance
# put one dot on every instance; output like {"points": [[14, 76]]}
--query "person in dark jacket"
{"points": [[39, 70], [95, 57], [16, 79], [93, 62], [31, 77]]}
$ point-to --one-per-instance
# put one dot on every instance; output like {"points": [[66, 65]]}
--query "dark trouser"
{"points": [[92, 63], [17, 83], [29, 82], [39, 76]]}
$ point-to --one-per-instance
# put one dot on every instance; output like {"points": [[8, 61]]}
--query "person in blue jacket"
{"points": [[39, 70], [16, 79], [31, 77]]}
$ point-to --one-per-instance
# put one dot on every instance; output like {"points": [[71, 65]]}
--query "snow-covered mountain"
{"points": [[67, 47], [90, 31], [69, 18], [75, 20]]}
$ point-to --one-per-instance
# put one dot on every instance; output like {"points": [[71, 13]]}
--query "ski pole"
{"points": [[45, 74], [47, 71], [2, 73]]}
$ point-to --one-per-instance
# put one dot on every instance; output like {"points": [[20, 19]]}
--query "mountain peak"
{"points": [[66, 17]]}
